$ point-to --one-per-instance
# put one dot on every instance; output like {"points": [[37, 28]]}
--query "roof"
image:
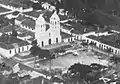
{"points": [[78, 28], [97, 82], [15, 13], [21, 17], [109, 40], [3, 9], [47, 15], [9, 42], [35, 13], [65, 35], [14, 4], [63, 17], [29, 22], [7, 28]]}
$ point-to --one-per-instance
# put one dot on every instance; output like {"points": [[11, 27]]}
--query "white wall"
{"points": [[6, 53], [115, 50]]}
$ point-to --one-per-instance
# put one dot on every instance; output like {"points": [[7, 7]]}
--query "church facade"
{"points": [[47, 29]]}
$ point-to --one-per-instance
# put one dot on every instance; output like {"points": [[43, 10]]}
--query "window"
{"points": [[68, 40], [10, 51], [15, 51], [27, 47], [77, 37], [19, 50], [22, 48], [71, 39], [115, 51], [55, 23]]}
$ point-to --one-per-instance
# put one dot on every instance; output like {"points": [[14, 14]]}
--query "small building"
{"points": [[66, 37], [76, 29], [6, 29], [105, 42], [9, 45]]}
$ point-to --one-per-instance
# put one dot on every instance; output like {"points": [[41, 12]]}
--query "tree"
{"points": [[80, 71]]}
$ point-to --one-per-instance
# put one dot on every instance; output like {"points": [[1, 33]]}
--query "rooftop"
{"points": [[7, 28], [29, 22], [109, 40], [63, 17], [9, 42], [3, 9], [65, 35], [47, 15], [35, 13], [15, 4], [21, 17], [78, 28]]}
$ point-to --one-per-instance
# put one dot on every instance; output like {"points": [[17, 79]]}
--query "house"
{"points": [[67, 37], [47, 29], [77, 30], [105, 42], [9, 45]]}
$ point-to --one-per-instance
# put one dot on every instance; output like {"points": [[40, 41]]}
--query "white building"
{"points": [[9, 46], [48, 32]]}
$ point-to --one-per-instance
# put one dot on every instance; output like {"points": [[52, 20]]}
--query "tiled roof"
{"points": [[3, 9], [47, 15], [17, 5], [35, 13], [8, 42], [109, 40], [78, 28], [65, 35], [21, 17], [7, 28], [29, 22]]}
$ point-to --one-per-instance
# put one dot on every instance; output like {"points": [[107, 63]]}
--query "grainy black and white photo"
{"points": [[59, 41]]}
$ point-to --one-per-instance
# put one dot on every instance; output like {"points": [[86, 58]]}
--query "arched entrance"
{"points": [[49, 41], [42, 43], [56, 40]]}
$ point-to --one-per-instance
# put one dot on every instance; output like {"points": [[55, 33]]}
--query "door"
{"points": [[49, 41]]}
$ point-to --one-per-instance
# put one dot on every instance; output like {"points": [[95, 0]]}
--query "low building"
{"points": [[66, 37], [9, 45], [78, 30], [6, 29], [105, 42]]}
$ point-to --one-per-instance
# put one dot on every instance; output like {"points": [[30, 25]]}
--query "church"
{"points": [[47, 29]]}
